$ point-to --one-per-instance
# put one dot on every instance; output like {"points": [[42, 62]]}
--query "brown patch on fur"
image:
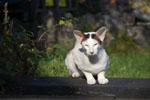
{"points": [[85, 37], [79, 33], [94, 36]]}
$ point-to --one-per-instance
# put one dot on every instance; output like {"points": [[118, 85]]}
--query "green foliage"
{"points": [[62, 3], [86, 27], [121, 65], [66, 23], [129, 66], [53, 63], [127, 59], [123, 44], [61, 22], [68, 20], [6, 21], [50, 3], [18, 55]]}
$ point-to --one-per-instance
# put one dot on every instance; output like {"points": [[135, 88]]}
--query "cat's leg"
{"points": [[101, 78], [89, 77], [73, 71]]}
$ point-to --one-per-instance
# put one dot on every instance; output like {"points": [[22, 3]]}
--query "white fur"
{"points": [[80, 60]]}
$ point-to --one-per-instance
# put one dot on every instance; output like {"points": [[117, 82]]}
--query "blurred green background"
{"points": [[36, 44]]}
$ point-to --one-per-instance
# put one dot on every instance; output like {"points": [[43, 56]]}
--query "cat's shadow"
{"points": [[93, 59]]}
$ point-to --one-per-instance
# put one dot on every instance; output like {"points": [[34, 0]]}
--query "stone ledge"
{"points": [[74, 87]]}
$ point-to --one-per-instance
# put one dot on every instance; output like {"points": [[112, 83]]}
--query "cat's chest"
{"points": [[93, 68], [93, 64]]}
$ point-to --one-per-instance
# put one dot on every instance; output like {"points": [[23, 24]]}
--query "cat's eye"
{"points": [[95, 43]]}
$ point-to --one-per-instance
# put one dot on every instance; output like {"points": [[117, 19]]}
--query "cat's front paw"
{"points": [[75, 74], [103, 81], [91, 81]]}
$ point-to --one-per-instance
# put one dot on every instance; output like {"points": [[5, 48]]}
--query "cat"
{"points": [[88, 57]]}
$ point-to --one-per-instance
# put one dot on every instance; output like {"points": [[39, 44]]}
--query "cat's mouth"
{"points": [[92, 54]]}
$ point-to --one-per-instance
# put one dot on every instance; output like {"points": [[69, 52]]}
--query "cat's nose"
{"points": [[92, 52]]}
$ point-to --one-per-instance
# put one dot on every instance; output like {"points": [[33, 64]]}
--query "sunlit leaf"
{"points": [[61, 22], [69, 24]]}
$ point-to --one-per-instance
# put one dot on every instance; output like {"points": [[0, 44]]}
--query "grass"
{"points": [[55, 67], [129, 66], [121, 65], [127, 60]]}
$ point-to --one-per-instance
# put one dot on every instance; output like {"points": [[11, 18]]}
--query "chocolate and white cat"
{"points": [[88, 56]]}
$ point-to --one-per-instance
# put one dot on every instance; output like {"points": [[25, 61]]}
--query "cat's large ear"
{"points": [[78, 35], [101, 33]]}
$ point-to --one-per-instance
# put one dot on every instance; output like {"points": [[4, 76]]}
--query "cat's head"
{"points": [[91, 41]]}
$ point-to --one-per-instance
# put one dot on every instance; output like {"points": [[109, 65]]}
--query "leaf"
{"points": [[6, 20], [30, 34], [69, 24], [40, 26], [57, 46], [69, 16], [61, 22]]}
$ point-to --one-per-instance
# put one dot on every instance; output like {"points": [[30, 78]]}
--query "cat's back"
{"points": [[74, 52]]}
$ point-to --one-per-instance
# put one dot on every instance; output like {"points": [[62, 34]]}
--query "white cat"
{"points": [[88, 56]]}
